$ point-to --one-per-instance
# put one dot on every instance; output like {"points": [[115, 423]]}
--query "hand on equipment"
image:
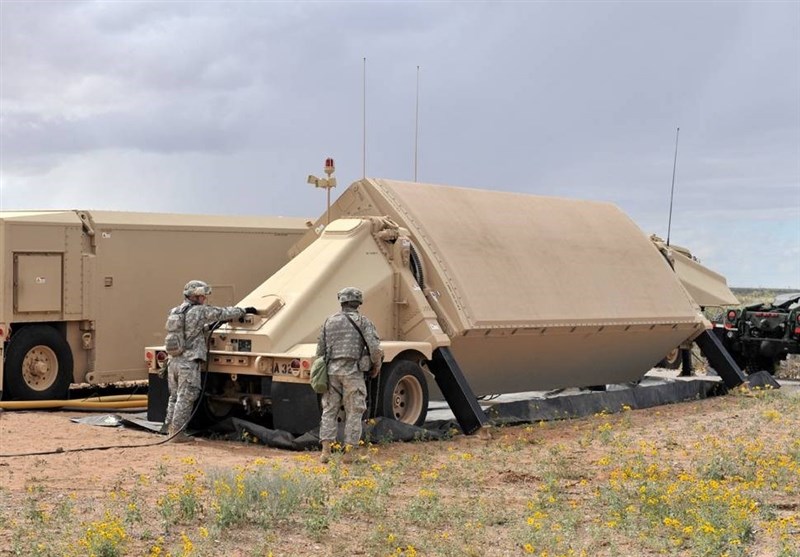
{"points": [[375, 371]]}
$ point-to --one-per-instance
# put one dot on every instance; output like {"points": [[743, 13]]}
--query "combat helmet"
{"points": [[196, 288], [350, 294]]}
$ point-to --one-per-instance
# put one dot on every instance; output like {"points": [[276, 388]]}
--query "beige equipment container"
{"points": [[707, 288], [524, 292], [82, 291]]}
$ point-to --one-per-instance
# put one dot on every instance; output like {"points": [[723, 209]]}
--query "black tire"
{"points": [[672, 360], [38, 364], [761, 363], [404, 393], [207, 412]]}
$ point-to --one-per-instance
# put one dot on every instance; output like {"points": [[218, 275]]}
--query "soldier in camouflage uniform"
{"points": [[184, 370], [342, 346]]}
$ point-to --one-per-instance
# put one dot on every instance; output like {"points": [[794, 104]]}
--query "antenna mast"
{"points": [[672, 190], [416, 128], [364, 120]]}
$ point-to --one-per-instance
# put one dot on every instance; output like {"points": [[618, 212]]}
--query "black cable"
{"points": [[61, 450]]}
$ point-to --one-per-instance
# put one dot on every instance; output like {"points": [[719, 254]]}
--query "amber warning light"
{"points": [[329, 166]]}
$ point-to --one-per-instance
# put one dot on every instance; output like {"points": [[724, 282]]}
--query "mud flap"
{"points": [[295, 407], [719, 358], [157, 397], [456, 391]]}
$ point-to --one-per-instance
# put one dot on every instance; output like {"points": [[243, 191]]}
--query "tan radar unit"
{"points": [[487, 291]]}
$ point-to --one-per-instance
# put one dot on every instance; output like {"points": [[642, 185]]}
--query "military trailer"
{"points": [[707, 288], [82, 291], [486, 292]]}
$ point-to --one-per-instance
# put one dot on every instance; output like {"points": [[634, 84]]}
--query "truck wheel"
{"points": [[207, 411], [38, 364], [672, 360], [404, 393]]}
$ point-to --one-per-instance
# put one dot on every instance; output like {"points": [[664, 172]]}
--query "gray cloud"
{"points": [[226, 106]]}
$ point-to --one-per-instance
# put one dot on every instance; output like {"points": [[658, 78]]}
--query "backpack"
{"points": [[175, 341], [319, 368], [319, 376]]}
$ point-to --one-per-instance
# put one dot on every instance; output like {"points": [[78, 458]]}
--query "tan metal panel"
{"points": [[73, 282], [130, 220], [705, 286], [533, 259], [307, 286], [140, 271], [37, 282]]}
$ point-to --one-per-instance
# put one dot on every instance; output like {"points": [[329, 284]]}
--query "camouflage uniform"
{"points": [[342, 344], [184, 370]]}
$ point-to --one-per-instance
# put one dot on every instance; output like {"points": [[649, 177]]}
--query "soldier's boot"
{"points": [[349, 454], [177, 436], [325, 455]]}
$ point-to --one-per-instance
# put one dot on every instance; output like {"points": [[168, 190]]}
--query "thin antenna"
{"points": [[416, 129], [672, 190], [364, 116]]}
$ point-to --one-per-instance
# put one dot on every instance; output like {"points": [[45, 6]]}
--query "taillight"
{"points": [[797, 318], [161, 357], [732, 315], [148, 356]]}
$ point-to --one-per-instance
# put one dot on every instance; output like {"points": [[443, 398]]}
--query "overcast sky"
{"points": [[225, 108]]}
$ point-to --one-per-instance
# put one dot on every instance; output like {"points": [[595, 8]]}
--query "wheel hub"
{"points": [[406, 400], [40, 367]]}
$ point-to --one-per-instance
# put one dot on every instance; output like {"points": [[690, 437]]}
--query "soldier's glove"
{"points": [[251, 310], [375, 372]]}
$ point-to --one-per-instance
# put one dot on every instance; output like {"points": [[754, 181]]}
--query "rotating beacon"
{"points": [[327, 183]]}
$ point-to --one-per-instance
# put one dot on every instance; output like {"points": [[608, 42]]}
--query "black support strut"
{"points": [[456, 391], [719, 358]]}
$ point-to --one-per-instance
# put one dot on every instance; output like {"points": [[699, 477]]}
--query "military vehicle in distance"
{"points": [[82, 291], [760, 335], [487, 292]]}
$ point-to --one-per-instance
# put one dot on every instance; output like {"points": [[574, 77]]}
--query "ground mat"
{"points": [[384, 430], [575, 406]]}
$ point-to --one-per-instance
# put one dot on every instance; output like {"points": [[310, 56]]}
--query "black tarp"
{"points": [[562, 406]]}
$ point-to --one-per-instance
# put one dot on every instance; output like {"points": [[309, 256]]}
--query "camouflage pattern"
{"points": [[184, 387], [350, 294], [196, 288], [348, 392], [184, 370], [197, 318], [341, 344]]}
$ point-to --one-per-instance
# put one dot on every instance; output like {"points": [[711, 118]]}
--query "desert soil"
{"points": [[92, 475]]}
